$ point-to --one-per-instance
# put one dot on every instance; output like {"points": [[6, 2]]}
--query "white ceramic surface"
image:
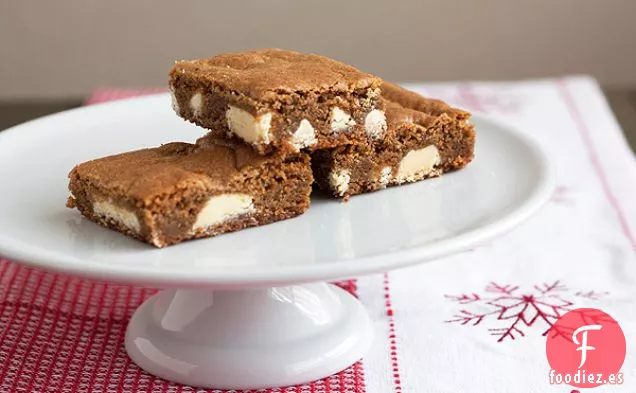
{"points": [[249, 339], [509, 179]]}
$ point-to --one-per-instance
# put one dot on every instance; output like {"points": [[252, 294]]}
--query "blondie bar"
{"points": [[183, 191], [425, 138], [279, 100]]}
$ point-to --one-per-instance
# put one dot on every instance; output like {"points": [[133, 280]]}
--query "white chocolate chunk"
{"points": [[375, 123], [374, 93], [175, 103], [339, 179], [221, 208], [385, 176], [196, 104], [154, 240], [247, 127], [121, 215], [304, 136], [418, 164], [340, 120]]}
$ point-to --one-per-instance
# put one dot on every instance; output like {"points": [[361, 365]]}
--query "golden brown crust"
{"points": [[266, 74], [411, 100], [397, 114], [142, 174]]}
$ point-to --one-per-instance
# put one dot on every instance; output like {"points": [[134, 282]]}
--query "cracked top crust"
{"points": [[267, 73], [147, 173]]}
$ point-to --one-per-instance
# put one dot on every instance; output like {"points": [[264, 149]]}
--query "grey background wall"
{"points": [[65, 48]]}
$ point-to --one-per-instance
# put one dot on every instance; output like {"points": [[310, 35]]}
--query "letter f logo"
{"points": [[584, 347]]}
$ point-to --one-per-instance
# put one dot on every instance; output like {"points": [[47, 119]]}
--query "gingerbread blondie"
{"points": [[183, 191], [425, 138], [279, 100]]}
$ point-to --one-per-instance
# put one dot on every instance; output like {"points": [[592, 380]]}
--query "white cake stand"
{"points": [[251, 309]]}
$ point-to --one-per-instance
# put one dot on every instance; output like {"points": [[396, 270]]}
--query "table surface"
{"points": [[623, 103]]}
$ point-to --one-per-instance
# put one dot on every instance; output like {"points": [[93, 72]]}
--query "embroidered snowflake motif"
{"points": [[515, 310]]}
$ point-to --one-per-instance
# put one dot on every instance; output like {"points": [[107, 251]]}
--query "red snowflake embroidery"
{"points": [[544, 304]]}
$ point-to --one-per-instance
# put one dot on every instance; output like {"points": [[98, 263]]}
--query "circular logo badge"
{"points": [[586, 348]]}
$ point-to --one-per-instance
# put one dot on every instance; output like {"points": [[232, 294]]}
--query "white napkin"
{"points": [[581, 246]]}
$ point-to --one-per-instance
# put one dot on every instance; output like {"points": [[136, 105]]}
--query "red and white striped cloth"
{"points": [[473, 322]]}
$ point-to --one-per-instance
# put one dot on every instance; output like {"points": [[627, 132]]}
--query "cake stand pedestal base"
{"points": [[249, 339]]}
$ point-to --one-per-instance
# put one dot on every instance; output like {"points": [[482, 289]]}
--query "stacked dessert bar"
{"points": [[276, 122]]}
